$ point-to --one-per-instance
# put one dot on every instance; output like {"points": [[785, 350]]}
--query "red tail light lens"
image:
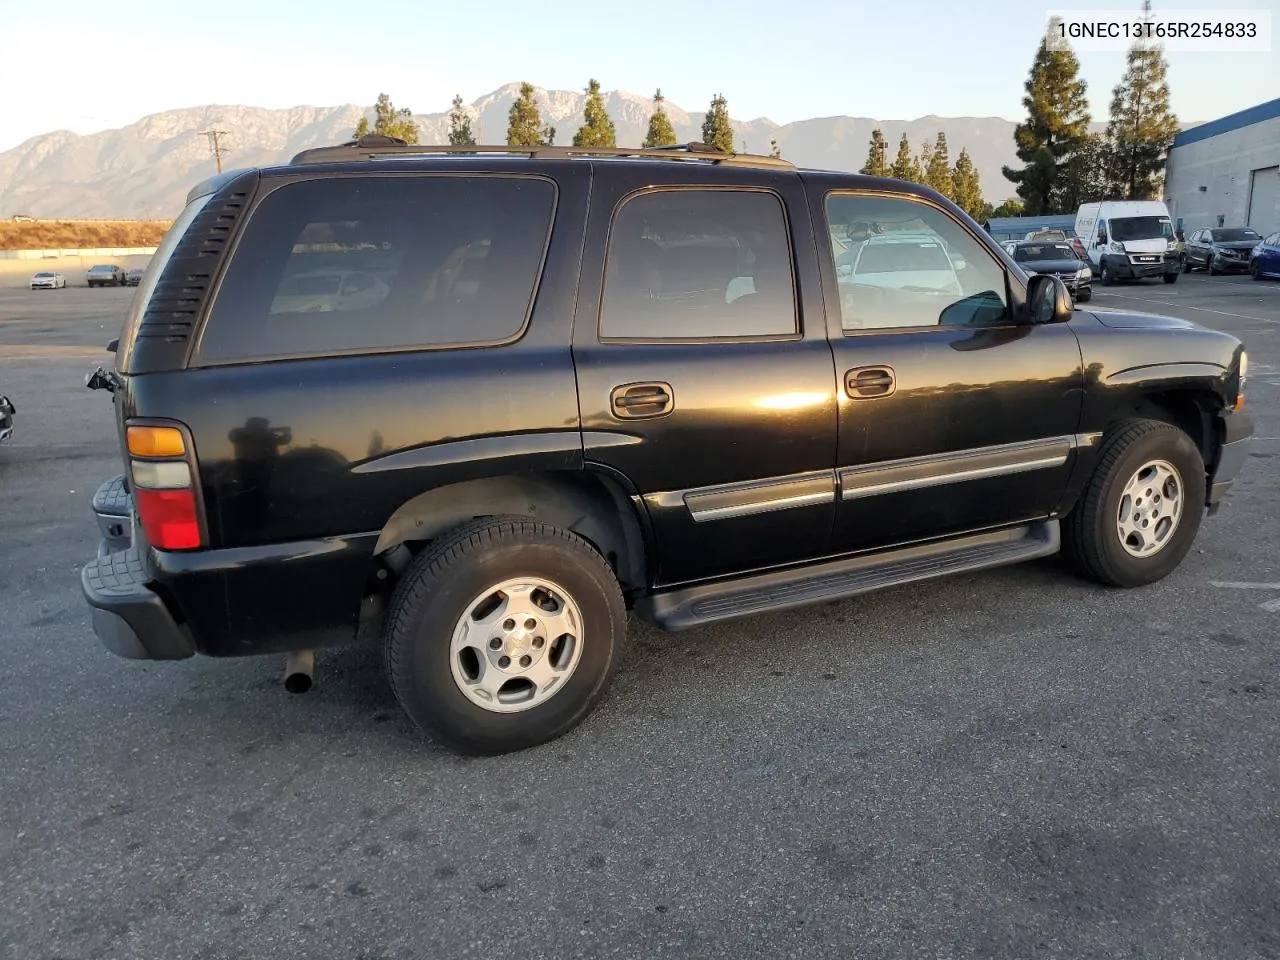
{"points": [[168, 518]]}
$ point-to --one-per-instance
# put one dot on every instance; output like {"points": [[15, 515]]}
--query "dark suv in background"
{"points": [[568, 383]]}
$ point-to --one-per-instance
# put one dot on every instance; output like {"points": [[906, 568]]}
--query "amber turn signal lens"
{"points": [[156, 442]]}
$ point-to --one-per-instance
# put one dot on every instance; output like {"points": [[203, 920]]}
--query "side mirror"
{"points": [[1048, 300], [113, 345], [1102, 238]]}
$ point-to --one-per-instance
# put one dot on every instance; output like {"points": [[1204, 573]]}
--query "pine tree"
{"points": [[717, 131], [597, 129], [1085, 176], [877, 164], [661, 133], [904, 164], [937, 173], [1142, 126], [460, 134], [389, 122], [774, 150], [966, 185], [1057, 123], [524, 122]]}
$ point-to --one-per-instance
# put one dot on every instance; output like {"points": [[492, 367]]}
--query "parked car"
{"points": [[105, 275], [1264, 260], [1056, 259], [47, 280], [7, 410], [133, 277], [1221, 249], [1129, 240], [596, 380]]}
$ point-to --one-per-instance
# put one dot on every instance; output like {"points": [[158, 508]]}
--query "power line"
{"points": [[215, 145]]}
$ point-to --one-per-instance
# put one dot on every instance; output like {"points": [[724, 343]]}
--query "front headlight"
{"points": [[1084, 272]]}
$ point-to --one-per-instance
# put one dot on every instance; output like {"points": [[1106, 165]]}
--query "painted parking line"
{"points": [[1187, 306], [1236, 585]]}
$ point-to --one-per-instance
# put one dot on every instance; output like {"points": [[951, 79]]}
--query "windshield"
{"points": [[44, 274], [1234, 235], [305, 286], [1044, 251], [1141, 228], [895, 257]]}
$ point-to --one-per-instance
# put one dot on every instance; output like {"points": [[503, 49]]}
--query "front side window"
{"points": [[691, 264], [903, 263], [355, 264]]}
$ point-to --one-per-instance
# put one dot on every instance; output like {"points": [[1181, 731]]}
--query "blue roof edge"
{"points": [[1234, 121]]}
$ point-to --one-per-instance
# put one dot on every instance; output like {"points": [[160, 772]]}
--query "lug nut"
{"points": [[538, 642], [526, 660], [495, 643], [504, 662], [530, 624], [509, 625]]}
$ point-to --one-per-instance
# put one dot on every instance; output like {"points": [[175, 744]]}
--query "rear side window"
{"points": [[699, 265], [364, 264]]}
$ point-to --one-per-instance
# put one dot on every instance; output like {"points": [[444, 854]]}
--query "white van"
{"points": [[1129, 240]]}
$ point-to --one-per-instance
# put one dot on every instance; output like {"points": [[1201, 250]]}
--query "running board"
{"points": [[776, 590]]}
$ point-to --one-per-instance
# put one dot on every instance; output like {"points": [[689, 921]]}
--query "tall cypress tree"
{"points": [[524, 122], [904, 165], [877, 164], [966, 185], [1057, 123], [717, 131], [597, 129], [661, 133], [460, 134], [1142, 126], [938, 173]]}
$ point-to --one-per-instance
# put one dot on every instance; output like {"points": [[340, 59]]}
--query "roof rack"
{"points": [[374, 147]]}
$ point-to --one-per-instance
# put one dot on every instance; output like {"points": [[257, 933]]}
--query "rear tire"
{"points": [[1094, 534], [439, 641]]}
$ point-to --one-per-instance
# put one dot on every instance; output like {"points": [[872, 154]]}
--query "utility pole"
{"points": [[215, 145]]}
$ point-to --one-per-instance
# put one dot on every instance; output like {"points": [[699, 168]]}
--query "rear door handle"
{"points": [[865, 383], [638, 401]]}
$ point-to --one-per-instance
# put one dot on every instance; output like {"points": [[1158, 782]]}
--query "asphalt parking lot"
{"points": [[1012, 764]]}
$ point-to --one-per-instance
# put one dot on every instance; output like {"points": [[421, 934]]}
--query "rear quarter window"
{"points": [[341, 265]]}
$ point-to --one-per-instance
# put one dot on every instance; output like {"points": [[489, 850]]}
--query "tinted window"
{"points": [[353, 264], [1236, 235], [903, 263], [698, 264]]}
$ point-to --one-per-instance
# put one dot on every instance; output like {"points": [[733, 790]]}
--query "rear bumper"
{"points": [[130, 618], [1237, 438], [236, 601]]}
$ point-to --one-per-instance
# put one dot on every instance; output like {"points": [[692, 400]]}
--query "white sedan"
{"points": [[44, 280]]}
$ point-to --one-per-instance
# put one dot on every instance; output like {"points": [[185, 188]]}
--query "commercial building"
{"points": [[1226, 173]]}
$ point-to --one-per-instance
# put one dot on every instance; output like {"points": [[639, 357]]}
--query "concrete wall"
{"points": [[1225, 166], [72, 264]]}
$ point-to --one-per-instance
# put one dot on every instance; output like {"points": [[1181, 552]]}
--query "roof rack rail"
{"points": [[375, 146]]}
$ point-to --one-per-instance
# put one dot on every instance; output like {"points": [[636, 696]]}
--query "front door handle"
{"points": [[865, 383], [638, 401]]}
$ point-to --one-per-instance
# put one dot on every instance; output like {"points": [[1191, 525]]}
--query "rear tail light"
{"points": [[163, 487]]}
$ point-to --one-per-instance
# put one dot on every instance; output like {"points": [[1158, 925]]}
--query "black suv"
{"points": [[484, 401]]}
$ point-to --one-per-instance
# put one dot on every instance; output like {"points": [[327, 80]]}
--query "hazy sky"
{"points": [[93, 66]]}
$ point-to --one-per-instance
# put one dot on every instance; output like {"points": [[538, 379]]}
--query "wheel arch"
{"points": [[1193, 411], [594, 505]]}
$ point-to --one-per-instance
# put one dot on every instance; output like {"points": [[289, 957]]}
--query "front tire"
{"points": [[1186, 265], [1255, 270], [1211, 267], [1139, 513], [1104, 275], [1171, 277], [1084, 296], [461, 657]]}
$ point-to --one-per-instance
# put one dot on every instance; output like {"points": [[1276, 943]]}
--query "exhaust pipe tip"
{"points": [[298, 668]]}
